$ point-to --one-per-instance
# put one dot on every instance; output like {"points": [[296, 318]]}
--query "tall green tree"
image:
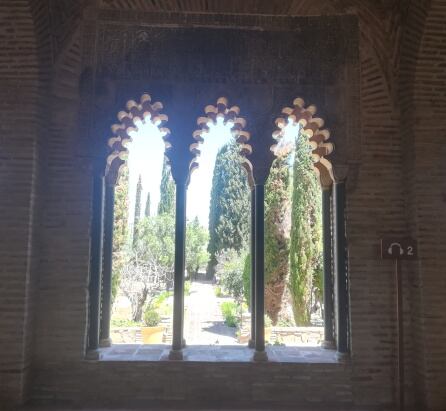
{"points": [[306, 235], [196, 243], [147, 209], [229, 205], [120, 228], [167, 191], [137, 215], [277, 233]]}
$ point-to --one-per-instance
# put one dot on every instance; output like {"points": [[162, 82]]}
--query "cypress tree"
{"points": [[229, 206], [277, 233], [147, 209], [305, 247], [167, 191], [137, 209]]}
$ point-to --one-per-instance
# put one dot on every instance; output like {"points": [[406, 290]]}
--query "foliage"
{"points": [[196, 242], [229, 270], [229, 311], [229, 206], [306, 246], [141, 278], [161, 298], [151, 317], [187, 287], [218, 291], [115, 323], [149, 269], [162, 303], [137, 210], [247, 279], [277, 233], [167, 191], [120, 229], [157, 240]]}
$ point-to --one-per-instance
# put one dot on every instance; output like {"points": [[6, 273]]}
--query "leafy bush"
{"points": [[124, 323], [229, 312], [247, 279], [151, 317], [160, 299], [230, 271], [187, 287], [218, 291], [162, 303]]}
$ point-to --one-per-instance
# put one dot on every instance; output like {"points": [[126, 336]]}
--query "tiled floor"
{"points": [[217, 353]]}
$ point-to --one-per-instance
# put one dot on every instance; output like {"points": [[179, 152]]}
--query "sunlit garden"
{"points": [[218, 261]]}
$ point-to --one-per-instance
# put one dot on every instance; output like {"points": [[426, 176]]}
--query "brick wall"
{"points": [[19, 90], [398, 189], [427, 201]]}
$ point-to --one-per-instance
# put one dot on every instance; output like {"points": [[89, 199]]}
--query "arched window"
{"points": [[268, 261], [117, 192]]}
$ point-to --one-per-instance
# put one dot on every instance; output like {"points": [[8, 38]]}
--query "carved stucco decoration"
{"points": [[136, 112], [229, 116], [317, 137]]}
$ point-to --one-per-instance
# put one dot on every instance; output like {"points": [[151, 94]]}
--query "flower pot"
{"points": [[152, 335]]}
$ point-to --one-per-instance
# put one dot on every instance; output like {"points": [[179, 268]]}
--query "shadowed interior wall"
{"points": [[388, 127]]}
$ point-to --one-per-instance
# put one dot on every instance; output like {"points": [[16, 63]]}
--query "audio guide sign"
{"points": [[401, 249]]}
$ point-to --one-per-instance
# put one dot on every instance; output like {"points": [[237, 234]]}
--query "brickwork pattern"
{"points": [[396, 187], [19, 92]]}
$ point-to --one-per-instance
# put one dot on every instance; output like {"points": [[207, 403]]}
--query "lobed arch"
{"points": [[229, 115], [135, 112], [317, 137]]}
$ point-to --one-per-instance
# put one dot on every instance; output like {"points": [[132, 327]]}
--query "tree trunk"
{"points": [[137, 316]]}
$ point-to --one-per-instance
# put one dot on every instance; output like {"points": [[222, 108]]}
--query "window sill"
{"points": [[217, 354]]}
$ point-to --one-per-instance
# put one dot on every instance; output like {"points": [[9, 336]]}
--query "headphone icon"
{"points": [[390, 250]]}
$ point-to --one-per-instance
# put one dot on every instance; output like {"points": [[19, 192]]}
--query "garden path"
{"points": [[204, 323]]}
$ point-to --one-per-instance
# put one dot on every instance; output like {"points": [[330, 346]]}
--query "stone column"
{"points": [[176, 353], [253, 277], [95, 264], [107, 271], [342, 332], [260, 353], [329, 341]]}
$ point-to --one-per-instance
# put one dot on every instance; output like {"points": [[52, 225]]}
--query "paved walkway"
{"points": [[204, 323]]}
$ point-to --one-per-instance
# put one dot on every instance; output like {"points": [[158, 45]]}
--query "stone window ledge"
{"points": [[218, 354]]}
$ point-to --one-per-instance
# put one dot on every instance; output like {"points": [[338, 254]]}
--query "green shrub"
{"points": [[230, 271], [187, 287], [151, 317], [229, 311], [218, 291], [124, 323], [160, 299], [247, 279]]}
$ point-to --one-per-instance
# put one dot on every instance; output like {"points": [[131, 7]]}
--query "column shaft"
{"points": [[107, 264], [340, 268], [260, 353], [178, 303], [328, 273], [253, 277], [96, 261]]}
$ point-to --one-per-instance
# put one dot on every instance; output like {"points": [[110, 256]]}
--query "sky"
{"points": [[146, 152]]}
